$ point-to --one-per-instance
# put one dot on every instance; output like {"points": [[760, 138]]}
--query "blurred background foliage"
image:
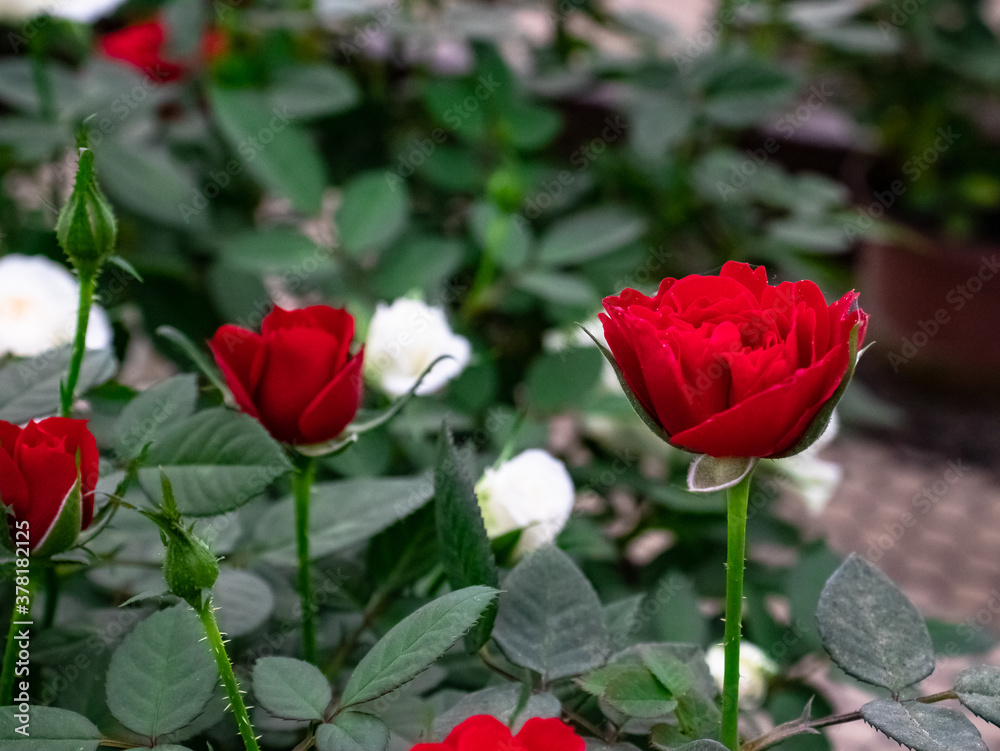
{"points": [[513, 163]]}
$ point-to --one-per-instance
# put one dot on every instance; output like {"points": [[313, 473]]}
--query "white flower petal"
{"points": [[532, 492], [38, 306], [403, 339]]}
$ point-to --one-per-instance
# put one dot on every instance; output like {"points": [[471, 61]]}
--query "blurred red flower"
{"points": [[485, 733]]}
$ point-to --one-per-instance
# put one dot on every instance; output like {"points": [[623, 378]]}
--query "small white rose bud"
{"points": [[756, 671], [403, 339], [38, 308], [532, 492]]}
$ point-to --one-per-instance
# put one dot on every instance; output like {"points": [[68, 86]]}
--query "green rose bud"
{"points": [[189, 566], [86, 228]]}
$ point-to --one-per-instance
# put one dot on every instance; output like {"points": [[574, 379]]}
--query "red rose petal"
{"points": [[549, 735], [332, 410], [240, 356]]}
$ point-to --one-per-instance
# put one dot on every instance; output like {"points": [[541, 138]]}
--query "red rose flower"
{"points": [[485, 733], [297, 376], [141, 45], [48, 470], [728, 365]]}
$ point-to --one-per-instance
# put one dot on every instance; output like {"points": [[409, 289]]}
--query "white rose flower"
{"points": [[814, 479], [532, 492], [756, 671], [403, 339], [83, 11], [38, 303]]}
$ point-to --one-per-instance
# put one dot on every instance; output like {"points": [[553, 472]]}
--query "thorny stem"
{"points": [[735, 562], [207, 615], [79, 344]]}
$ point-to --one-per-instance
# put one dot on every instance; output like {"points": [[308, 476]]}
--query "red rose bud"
{"points": [[141, 46], [731, 366], [297, 376], [48, 471], [485, 733]]}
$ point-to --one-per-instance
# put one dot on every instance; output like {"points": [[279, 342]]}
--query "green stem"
{"points": [[41, 78], [302, 484], [735, 559], [79, 344], [726, 17], [207, 615]]}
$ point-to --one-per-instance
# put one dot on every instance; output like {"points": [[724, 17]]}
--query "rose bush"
{"points": [[48, 470], [297, 376], [485, 733], [730, 365]]}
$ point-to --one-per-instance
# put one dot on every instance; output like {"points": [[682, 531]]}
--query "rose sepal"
{"points": [[708, 474], [359, 427], [640, 410], [62, 534]]}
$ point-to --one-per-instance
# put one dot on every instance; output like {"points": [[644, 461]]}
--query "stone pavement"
{"points": [[933, 525]]}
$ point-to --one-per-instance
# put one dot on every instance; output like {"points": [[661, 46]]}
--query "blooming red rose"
{"points": [[297, 376], [141, 45], [729, 365], [485, 733], [48, 470]]}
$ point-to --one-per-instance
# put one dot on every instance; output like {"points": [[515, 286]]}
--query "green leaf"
{"points": [[244, 601], [708, 474], [637, 693], [561, 289], [162, 675], [216, 460], [48, 729], [702, 745], [207, 367], [147, 179], [530, 126], [275, 151], [291, 689], [560, 380], [316, 90], [420, 262], [415, 643], [274, 250], [550, 618], [590, 234], [871, 630], [353, 731], [343, 514], [978, 688], [464, 546], [373, 212], [506, 238], [30, 388], [923, 727], [500, 702], [739, 91], [153, 410], [683, 670]]}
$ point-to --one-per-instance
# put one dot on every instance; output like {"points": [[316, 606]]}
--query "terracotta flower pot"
{"points": [[935, 310]]}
